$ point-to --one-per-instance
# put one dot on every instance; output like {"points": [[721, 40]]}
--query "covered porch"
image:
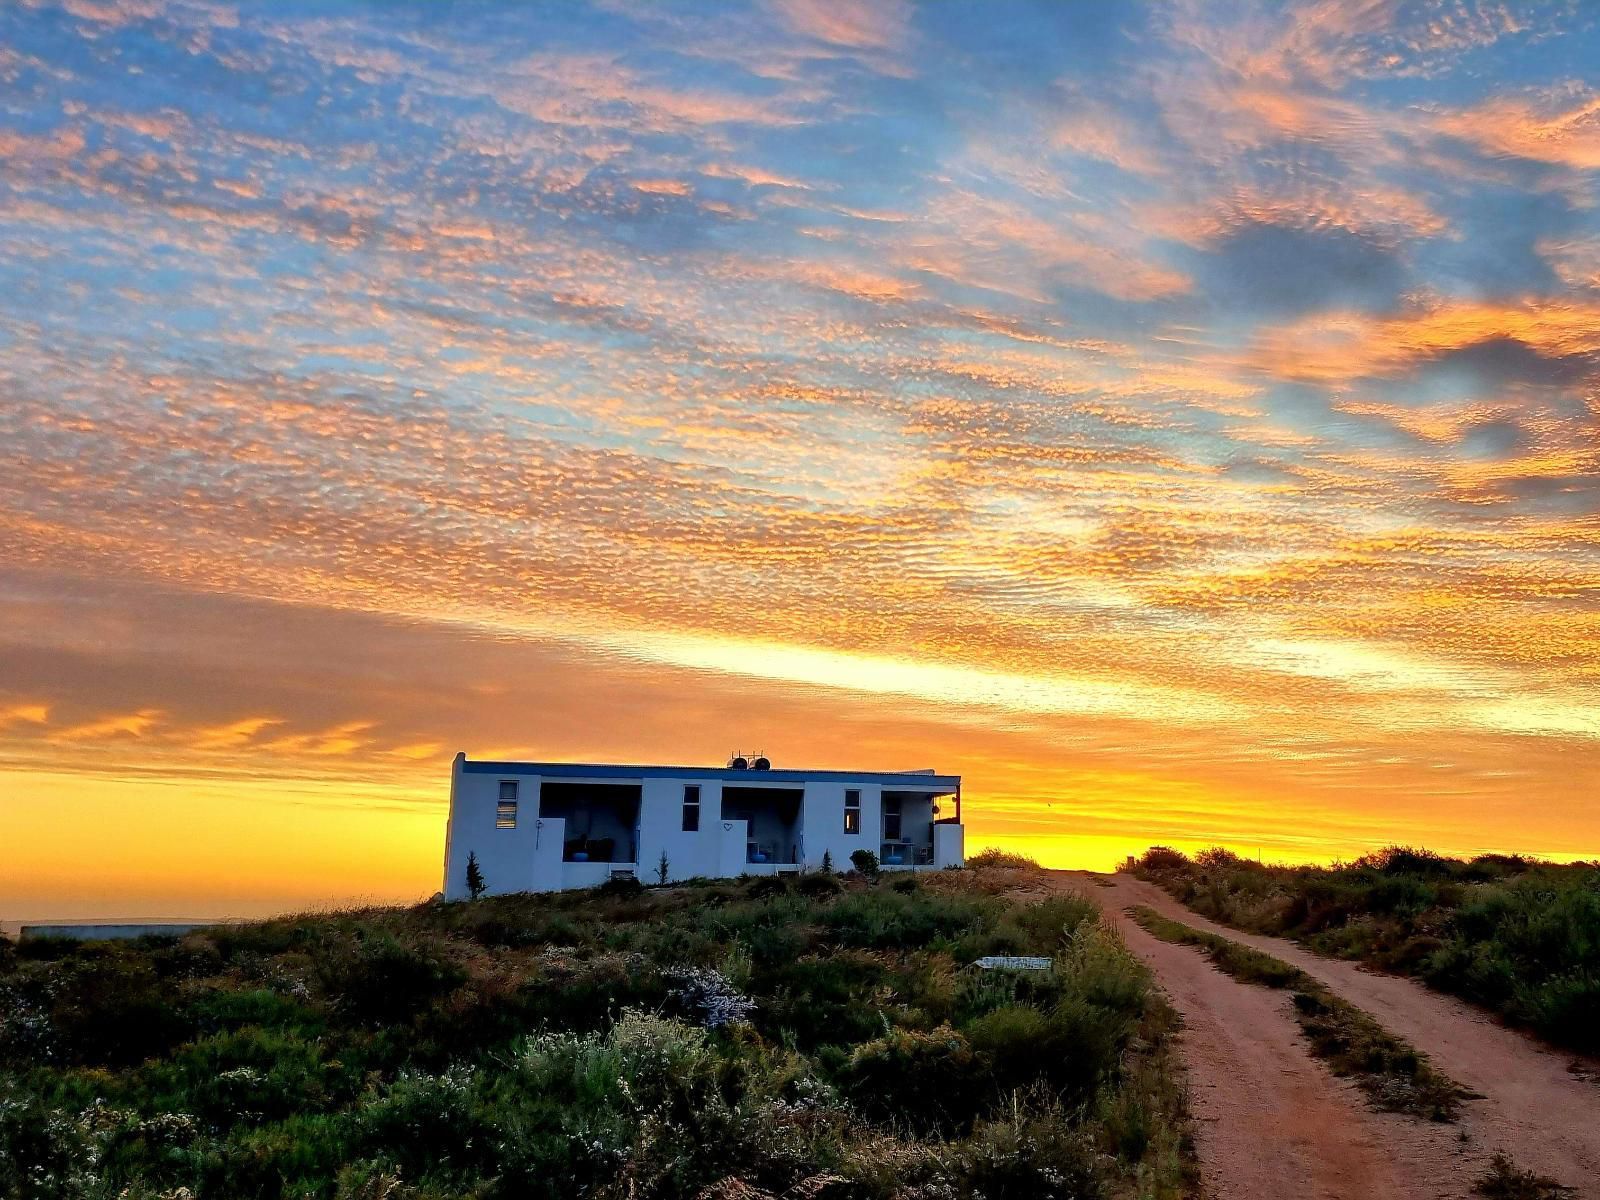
{"points": [[772, 821], [601, 820], [910, 821]]}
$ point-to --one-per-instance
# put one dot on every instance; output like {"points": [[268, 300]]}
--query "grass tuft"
{"points": [[1505, 1182]]}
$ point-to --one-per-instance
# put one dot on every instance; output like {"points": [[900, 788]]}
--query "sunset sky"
{"points": [[1182, 420]]}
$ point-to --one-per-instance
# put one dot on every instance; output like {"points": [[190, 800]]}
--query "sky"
{"points": [[1182, 420]]}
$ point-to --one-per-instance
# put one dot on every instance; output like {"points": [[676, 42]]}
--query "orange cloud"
{"points": [[232, 736], [1338, 347], [661, 187], [1560, 126], [134, 724], [33, 714]]}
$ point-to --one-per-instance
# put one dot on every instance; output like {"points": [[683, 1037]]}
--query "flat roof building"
{"points": [[542, 826]]}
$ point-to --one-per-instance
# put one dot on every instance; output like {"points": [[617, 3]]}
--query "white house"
{"points": [[541, 827]]}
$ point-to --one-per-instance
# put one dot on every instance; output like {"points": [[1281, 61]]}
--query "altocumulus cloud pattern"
{"points": [[1173, 409]]}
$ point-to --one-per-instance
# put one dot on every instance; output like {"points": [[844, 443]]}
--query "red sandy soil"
{"points": [[1273, 1123]]}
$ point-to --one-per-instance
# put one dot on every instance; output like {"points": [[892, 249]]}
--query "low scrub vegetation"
{"points": [[1515, 935], [1002, 858], [749, 1039], [1394, 1075], [1503, 1181]]}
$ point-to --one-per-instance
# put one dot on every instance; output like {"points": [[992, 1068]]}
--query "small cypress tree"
{"points": [[827, 862], [475, 884], [663, 868]]}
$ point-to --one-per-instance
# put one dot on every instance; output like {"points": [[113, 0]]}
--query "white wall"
{"points": [[507, 857], [823, 823], [949, 845], [545, 867], [661, 828], [734, 843]]}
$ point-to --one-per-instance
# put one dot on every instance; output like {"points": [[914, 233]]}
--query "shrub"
{"points": [[1034, 1152], [822, 999], [892, 919], [423, 1122], [1163, 858], [865, 862], [825, 884], [1001, 858], [931, 1080], [1016, 1040], [1504, 1181], [1406, 860], [1046, 923], [622, 887], [251, 1074], [708, 999], [109, 1008], [768, 885], [378, 979]]}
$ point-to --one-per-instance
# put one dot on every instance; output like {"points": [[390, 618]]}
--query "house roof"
{"points": [[910, 781]]}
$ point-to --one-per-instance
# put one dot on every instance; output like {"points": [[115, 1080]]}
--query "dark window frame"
{"points": [[505, 811], [852, 810], [896, 815], [691, 808]]}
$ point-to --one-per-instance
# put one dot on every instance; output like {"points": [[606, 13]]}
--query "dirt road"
{"points": [[1272, 1122]]}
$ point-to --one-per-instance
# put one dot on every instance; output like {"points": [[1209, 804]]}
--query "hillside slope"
{"points": [[724, 1039]]}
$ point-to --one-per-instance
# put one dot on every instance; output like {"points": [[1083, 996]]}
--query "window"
{"points": [[891, 818], [691, 808], [852, 811], [505, 813]]}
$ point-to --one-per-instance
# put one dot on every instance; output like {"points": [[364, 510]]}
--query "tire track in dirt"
{"points": [[1270, 1121], [1535, 1107]]}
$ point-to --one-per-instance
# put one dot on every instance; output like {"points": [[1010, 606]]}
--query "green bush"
{"points": [[110, 1009], [1163, 858], [988, 859], [816, 884], [428, 1126], [889, 919], [621, 887], [378, 979], [865, 862], [1033, 1152], [931, 1081], [1018, 1042]]}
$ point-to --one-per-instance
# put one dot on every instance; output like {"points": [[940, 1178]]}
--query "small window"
{"points": [[891, 818], [505, 813], [691, 808], [852, 811]]}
